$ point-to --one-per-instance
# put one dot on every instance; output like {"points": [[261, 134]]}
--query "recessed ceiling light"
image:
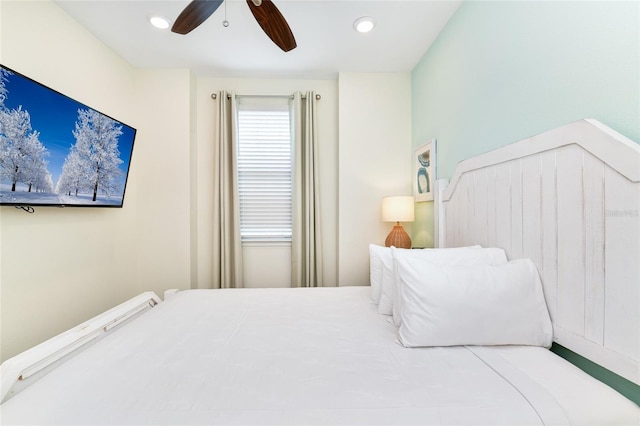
{"points": [[364, 24], [159, 22]]}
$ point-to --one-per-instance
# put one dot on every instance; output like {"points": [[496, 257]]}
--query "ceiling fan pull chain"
{"points": [[225, 23]]}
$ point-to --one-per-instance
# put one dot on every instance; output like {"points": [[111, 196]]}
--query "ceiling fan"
{"points": [[265, 12]]}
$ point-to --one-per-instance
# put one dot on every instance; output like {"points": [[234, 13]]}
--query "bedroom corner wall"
{"points": [[60, 267], [503, 71], [375, 161], [164, 195]]}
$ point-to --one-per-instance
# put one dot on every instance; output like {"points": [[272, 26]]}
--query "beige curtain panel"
{"points": [[227, 244], [306, 244]]}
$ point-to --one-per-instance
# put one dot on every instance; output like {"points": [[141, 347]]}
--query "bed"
{"points": [[328, 356]]}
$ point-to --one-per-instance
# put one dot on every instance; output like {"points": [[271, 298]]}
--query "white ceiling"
{"points": [[327, 42]]}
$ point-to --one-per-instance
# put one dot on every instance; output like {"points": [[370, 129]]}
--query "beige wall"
{"points": [[375, 161], [163, 198], [365, 154], [59, 267], [62, 266]]}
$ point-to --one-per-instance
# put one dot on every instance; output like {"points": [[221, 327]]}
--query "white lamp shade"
{"points": [[398, 209]]}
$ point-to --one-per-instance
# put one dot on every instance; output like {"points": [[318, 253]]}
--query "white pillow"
{"points": [[385, 305], [375, 270], [473, 305], [464, 256]]}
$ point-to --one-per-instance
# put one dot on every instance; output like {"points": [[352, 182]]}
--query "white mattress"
{"points": [[303, 357]]}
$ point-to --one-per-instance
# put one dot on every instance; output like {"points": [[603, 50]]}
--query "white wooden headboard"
{"points": [[569, 199]]}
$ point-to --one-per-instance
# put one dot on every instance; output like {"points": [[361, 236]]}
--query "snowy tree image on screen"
{"points": [[55, 151], [22, 155], [93, 161]]}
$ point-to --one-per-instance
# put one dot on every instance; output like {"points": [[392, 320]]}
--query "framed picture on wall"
{"points": [[424, 160]]}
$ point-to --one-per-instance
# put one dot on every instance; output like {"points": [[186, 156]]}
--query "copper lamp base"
{"points": [[398, 238]]}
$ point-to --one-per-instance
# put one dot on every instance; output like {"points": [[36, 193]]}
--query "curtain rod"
{"points": [[215, 96]]}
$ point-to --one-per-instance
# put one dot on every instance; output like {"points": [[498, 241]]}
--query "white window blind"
{"points": [[265, 170]]}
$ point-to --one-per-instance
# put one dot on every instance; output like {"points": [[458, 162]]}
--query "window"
{"points": [[264, 169]]}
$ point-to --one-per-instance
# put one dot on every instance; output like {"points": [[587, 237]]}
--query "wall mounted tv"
{"points": [[55, 151]]}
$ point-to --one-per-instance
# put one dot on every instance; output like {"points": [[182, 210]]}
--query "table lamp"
{"points": [[398, 209]]}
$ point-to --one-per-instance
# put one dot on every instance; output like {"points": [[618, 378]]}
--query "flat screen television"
{"points": [[56, 151]]}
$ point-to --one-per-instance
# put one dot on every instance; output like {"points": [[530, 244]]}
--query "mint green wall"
{"points": [[502, 71]]}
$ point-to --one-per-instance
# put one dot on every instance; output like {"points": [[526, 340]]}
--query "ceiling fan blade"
{"points": [[194, 14], [273, 24]]}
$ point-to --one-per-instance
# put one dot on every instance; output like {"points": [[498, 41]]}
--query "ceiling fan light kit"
{"points": [[264, 11]]}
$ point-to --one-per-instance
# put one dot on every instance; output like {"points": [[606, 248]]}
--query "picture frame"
{"points": [[424, 171]]}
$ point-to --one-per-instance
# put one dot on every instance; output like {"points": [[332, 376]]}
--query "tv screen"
{"points": [[56, 151]]}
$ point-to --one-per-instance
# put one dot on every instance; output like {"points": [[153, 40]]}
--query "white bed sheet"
{"points": [[303, 357]]}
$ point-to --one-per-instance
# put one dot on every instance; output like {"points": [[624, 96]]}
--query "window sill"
{"points": [[266, 243]]}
